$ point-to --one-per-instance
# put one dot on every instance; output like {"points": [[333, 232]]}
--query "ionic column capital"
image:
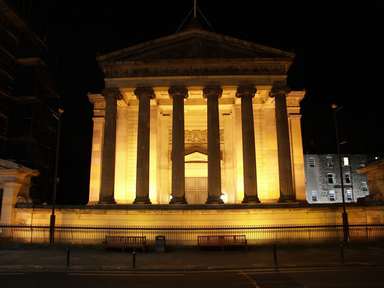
{"points": [[278, 90], [139, 92], [111, 92], [245, 90], [173, 91], [212, 91]]}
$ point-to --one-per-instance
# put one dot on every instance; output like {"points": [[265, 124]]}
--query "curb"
{"points": [[174, 269]]}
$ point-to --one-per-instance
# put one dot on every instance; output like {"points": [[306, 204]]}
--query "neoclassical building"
{"points": [[196, 118], [196, 132]]}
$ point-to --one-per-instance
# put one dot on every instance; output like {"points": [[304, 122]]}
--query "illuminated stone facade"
{"points": [[323, 182], [15, 182], [374, 171], [197, 118]]}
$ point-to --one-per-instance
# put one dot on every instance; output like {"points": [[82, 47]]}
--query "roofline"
{"points": [[195, 31]]}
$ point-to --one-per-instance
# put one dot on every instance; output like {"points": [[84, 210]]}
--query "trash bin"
{"points": [[160, 244]]}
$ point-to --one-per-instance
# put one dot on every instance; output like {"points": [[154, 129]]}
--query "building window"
{"points": [[332, 195], [362, 165], [349, 195], [347, 178], [329, 161], [311, 162], [346, 161], [364, 186], [330, 178], [314, 195]]}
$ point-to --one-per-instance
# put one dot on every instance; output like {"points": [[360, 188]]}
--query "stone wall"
{"points": [[317, 177]]}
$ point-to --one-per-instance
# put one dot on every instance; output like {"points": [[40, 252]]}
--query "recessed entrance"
{"points": [[196, 190]]}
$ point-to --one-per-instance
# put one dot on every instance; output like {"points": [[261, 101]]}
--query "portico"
{"points": [[196, 109]]}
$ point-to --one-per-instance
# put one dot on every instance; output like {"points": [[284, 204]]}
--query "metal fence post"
{"points": [[134, 258], [68, 252], [274, 255], [342, 253]]}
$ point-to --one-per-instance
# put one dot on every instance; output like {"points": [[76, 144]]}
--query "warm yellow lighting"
{"points": [[196, 160]]}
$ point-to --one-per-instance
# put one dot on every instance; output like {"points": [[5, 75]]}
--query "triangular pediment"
{"points": [[7, 166], [194, 44]]}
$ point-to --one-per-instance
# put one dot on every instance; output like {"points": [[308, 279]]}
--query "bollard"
{"points": [[342, 253], [274, 255], [68, 251], [134, 258]]}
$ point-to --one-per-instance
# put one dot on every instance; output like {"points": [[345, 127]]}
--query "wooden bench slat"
{"points": [[124, 242], [221, 241]]}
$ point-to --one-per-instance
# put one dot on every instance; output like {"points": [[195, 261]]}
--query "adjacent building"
{"points": [[323, 182], [28, 101]]}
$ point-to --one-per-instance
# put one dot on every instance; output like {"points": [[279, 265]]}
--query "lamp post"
{"points": [[53, 216], [344, 215]]}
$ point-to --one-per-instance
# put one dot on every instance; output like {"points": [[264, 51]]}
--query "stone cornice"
{"points": [[192, 70]]}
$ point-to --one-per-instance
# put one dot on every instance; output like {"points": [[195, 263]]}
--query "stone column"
{"points": [[107, 188], [214, 174], [249, 155], [178, 150], [142, 169], [283, 143]]}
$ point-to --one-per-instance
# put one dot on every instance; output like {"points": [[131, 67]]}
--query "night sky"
{"points": [[339, 59]]}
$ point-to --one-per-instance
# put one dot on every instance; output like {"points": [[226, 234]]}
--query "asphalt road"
{"points": [[341, 277]]}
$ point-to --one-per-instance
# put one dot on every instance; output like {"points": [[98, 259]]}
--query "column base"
{"points": [[142, 200], [107, 200], [214, 200], [286, 198], [250, 199], [178, 200]]}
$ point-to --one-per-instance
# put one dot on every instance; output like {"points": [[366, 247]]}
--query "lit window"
{"points": [[332, 195], [349, 195], [311, 162], [347, 178], [364, 186], [330, 178], [362, 165], [345, 161], [314, 195], [329, 161]]}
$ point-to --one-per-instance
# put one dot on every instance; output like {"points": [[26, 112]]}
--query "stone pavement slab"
{"points": [[54, 257]]}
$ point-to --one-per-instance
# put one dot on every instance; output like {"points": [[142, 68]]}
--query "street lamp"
{"points": [[344, 215], [53, 216]]}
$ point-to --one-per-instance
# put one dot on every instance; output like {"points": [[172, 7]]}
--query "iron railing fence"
{"points": [[187, 235]]}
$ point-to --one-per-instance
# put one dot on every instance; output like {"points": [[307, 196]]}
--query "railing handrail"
{"points": [[192, 228]]}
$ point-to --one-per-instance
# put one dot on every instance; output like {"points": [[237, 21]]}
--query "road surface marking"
{"points": [[294, 271], [249, 278]]}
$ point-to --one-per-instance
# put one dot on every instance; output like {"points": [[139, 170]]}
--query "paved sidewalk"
{"points": [[43, 256]]}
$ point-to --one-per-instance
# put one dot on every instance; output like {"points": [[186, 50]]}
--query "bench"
{"points": [[221, 241], [124, 242]]}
